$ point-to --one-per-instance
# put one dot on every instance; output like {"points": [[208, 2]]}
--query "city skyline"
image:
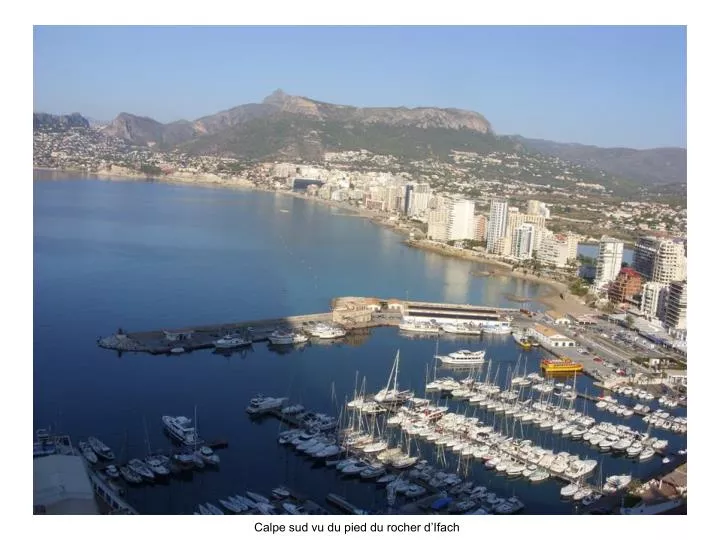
{"points": [[605, 86]]}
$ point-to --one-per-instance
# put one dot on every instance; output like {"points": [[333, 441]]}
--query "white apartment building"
{"points": [[496, 225], [438, 221], [653, 299], [523, 240], [553, 251], [660, 259], [420, 202], [461, 222], [609, 260]]}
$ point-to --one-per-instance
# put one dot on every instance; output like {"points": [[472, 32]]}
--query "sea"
{"points": [[145, 255]]}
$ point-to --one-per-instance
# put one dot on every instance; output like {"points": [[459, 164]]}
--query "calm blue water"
{"points": [[145, 255], [591, 250]]}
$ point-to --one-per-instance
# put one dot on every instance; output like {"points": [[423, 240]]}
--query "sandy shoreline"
{"points": [[568, 304]]}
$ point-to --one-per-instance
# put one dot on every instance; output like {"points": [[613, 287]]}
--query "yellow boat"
{"points": [[560, 365]]}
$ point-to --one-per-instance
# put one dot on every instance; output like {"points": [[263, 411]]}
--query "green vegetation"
{"points": [[579, 287], [150, 170]]}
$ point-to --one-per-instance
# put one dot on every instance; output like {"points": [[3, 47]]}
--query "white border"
{"points": [[17, 44]]}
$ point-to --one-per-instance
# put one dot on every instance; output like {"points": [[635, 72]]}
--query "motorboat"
{"points": [[181, 429], [214, 509], [569, 490], [157, 465], [185, 460], [581, 493], [139, 467], [386, 479], [616, 483], [232, 506], [293, 509], [231, 342], [208, 456], [87, 452], [257, 497], [283, 337], [463, 357], [591, 499], [100, 448], [372, 472], [260, 404], [326, 331], [354, 468], [112, 472], [130, 476], [280, 492]]}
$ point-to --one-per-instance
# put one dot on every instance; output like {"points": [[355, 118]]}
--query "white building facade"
{"points": [[496, 224], [609, 260]]}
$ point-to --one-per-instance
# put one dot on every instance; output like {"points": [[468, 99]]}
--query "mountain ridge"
{"points": [[284, 126]]}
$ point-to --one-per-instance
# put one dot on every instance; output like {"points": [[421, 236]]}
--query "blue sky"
{"points": [[608, 86]]}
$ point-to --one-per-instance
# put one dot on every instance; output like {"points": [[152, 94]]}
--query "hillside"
{"points": [[654, 166], [55, 122]]}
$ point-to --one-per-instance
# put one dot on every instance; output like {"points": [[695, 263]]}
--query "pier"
{"points": [[351, 313]]}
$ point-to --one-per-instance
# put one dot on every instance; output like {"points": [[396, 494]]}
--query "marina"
{"points": [[183, 283]]}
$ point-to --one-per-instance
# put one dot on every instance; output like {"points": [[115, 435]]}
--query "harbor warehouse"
{"points": [[549, 337]]}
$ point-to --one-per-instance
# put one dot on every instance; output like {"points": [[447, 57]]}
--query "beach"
{"points": [[568, 304]]}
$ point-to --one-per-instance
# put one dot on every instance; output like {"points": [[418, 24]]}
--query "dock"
{"points": [[354, 314]]}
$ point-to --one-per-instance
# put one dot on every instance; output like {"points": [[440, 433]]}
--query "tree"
{"points": [[629, 321]]}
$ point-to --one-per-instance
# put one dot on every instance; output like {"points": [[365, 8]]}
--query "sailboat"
{"points": [[392, 395]]}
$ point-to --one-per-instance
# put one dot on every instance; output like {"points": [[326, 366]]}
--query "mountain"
{"points": [[294, 126], [146, 131], [55, 122], [653, 167]]}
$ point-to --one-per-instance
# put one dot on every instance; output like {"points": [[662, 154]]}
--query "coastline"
{"points": [[568, 304]]}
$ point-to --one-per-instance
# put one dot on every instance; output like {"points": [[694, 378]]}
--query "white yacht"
{"points": [[326, 331], [463, 357], [181, 429], [283, 337], [261, 404], [616, 483], [230, 342], [100, 448], [649, 509]]}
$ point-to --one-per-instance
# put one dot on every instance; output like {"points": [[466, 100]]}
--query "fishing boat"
{"points": [[231, 342], [523, 341], [100, 448], [284, 337]]}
